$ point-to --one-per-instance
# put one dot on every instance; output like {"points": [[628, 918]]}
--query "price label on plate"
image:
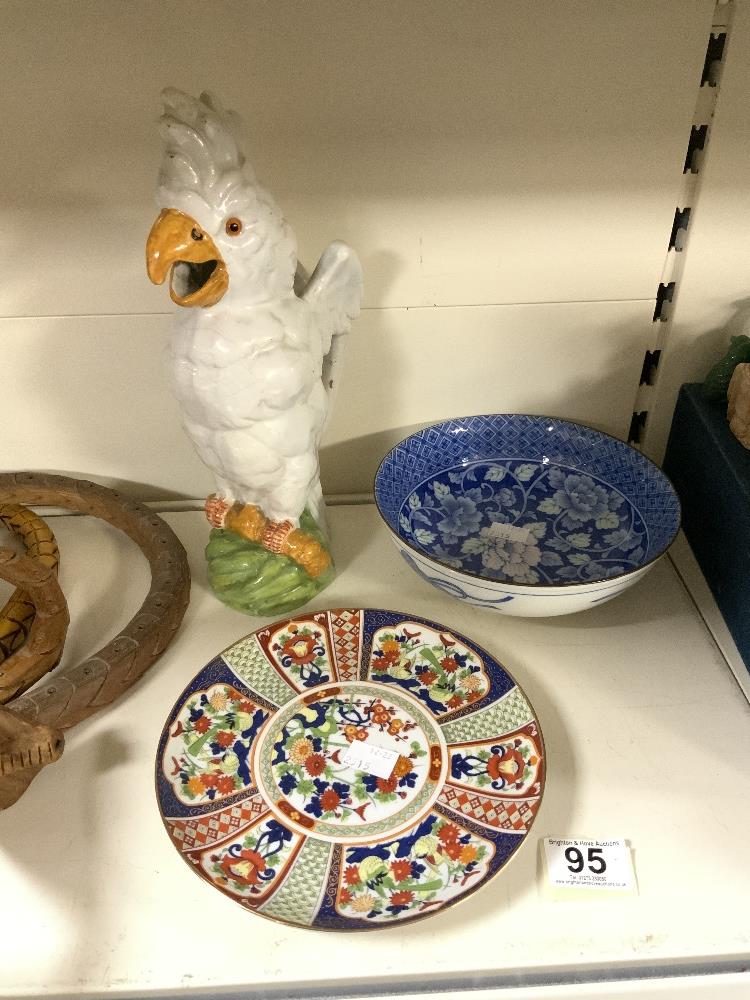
{"points": [[588, 868], [371, 758]]}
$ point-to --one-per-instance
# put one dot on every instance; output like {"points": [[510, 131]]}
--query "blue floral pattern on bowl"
{"points": [[525, 522], [511, 509]]}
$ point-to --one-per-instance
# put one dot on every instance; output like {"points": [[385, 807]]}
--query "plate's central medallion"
{"points": [[350, 761]]}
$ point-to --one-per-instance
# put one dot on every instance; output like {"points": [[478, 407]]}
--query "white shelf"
{"points": [[647, 737]]}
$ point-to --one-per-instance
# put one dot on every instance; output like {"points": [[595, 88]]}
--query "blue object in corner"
{"points": [[710, 470]]}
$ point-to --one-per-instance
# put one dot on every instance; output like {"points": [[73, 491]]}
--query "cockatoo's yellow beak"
{"points": [[179, 247]]}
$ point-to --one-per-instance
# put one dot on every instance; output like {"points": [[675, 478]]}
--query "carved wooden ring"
{"points": [[73, 693]]}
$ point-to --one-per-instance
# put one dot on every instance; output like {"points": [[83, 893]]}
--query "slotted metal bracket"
{"points": [[698, 143]]}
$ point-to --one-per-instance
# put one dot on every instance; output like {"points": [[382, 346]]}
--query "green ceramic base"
{"points": [[253, 580]]}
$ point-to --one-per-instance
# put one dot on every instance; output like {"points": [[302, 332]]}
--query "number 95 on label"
{"points": [[588, 868]]}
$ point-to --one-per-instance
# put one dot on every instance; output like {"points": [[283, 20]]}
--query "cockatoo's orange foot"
{"points": [[216, 510], [279, 537], [275, 535]]}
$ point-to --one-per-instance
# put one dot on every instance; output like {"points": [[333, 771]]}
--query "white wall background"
{"points": [[508, 173]]}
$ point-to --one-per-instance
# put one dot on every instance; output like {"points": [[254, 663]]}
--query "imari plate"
{"points": [[350, 769]]}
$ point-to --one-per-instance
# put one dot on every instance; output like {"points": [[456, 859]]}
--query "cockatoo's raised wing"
{"points": [[335, 287], [335, 292]]}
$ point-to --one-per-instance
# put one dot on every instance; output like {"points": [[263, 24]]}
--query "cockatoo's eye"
{"points": [[233, 227], [197, 234]]}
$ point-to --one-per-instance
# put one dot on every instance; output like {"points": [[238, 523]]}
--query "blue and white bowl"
{"points": [[528, 515]]}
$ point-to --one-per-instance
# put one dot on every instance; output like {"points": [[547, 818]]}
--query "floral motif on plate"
{"points": [[433, 665], [423, 869], [209, 747], [508, 766], [249, 865], [304, 761], [301, 651]]}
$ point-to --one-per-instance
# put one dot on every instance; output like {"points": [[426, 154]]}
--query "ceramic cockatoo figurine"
{"points": [[253, 357]]}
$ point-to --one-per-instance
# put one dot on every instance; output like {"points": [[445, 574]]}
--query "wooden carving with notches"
{"points": [[34, 623]]}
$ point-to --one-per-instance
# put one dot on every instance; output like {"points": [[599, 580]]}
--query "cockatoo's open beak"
{"points": [[179, 247]]}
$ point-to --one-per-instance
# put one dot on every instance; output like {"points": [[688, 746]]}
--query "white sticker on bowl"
{"points": [[511, 532]]}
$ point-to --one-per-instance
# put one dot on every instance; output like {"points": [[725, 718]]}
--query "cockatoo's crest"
{"points": [[204, 176], [200, 149]]}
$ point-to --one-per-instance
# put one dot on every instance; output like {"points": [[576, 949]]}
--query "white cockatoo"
{"points": [[253, 363]]}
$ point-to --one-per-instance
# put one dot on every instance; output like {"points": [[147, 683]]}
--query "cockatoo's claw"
{"points": [[216, 510], [275, 535]]}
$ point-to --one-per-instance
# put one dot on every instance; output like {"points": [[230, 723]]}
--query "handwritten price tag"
{"points": [[509, 532], [371, 758], [588, 868]]}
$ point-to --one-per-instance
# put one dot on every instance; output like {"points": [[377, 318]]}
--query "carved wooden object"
{"points": [[18, 614], [24, 751], [49, 626], [76, 691]]}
